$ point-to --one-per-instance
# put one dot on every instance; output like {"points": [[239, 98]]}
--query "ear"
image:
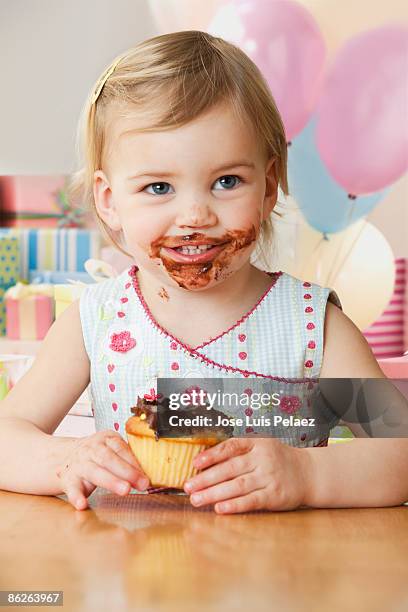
{"points": [[271, 189], [104, 202]]}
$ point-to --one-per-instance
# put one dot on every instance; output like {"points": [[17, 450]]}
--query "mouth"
{"points": [[194, 253]]}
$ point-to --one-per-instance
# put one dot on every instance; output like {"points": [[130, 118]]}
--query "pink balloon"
{"points": [[362, 118], [284, 41]]}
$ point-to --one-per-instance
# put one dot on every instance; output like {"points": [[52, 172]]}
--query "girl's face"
{"points": [[190, 200]]}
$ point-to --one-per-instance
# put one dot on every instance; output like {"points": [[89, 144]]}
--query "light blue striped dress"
{"points": [[280, 338]]}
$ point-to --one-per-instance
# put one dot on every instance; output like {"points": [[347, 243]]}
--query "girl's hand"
{"points": [[244, 474], [103, 459]]}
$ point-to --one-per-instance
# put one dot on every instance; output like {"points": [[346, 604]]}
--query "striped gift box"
{"points": [[29, 319], [386, 335], [64, 250], [65, 294], [406, 310]]}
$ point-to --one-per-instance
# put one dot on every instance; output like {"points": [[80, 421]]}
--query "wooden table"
{"points": [[157, 552]]}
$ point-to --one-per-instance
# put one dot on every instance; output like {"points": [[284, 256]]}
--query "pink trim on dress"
{"points": [[133, 271], [193, 352], [276, 276]]}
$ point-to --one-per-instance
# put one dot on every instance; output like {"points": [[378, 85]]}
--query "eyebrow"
{"points": [[228, 166]]}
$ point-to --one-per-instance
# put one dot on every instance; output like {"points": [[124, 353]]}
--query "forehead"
{"points": [[217, 135]]}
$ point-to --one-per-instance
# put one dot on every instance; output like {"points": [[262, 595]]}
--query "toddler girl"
{"points": [[183, 153]]}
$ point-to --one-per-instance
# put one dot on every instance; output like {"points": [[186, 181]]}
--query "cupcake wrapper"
{"points": [[166, 463]]}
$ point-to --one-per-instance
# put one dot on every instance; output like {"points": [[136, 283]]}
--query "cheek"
{"points": [[143, 227], [244, 214]]}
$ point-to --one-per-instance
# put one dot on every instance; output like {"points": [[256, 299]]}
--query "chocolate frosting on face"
{"points": [[150, 409], [198, 275]]}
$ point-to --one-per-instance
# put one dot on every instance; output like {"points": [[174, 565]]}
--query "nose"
{"points": [[196, 215]]}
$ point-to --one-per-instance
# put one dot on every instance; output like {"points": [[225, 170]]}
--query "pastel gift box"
{"points": [[9, 272], [55, 277], [12, 368], [3, 289], [29, 311], [54, 249], [37, 201], [65, 294], [395, 367], [405, 312], [4, 384], [9, 259], [386, 335]]}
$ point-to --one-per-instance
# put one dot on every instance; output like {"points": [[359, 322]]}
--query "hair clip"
{"points": [[103, 81]]}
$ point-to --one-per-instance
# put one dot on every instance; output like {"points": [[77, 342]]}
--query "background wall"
{"points": [[52, 52]]}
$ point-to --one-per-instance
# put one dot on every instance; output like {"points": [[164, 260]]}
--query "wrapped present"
{"points": [[65, 294], [395, 367], [12, 368], [3, 289], [386, 335], [9, 271], [9, 259], [29, 311], [38, 201], [405, 311], [4, 382], [54, 249], [55, 277]]}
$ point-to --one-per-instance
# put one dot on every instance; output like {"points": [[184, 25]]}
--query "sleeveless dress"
{"points": [[280, 339]]}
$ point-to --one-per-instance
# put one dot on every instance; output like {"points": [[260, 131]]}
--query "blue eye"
{"points": [[229, 184], [160, 190]]}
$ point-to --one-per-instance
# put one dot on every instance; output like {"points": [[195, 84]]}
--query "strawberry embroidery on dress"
{"points": [[290, 404], [122, 342]]}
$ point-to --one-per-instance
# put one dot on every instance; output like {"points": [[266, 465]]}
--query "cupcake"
{"points": [[168, 462]]}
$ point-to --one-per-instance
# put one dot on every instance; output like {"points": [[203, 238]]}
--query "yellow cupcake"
{"points": [[168, 462]]}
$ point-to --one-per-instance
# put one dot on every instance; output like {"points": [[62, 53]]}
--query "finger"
{"points": [[222, 451], [75, 493], [88, 488], [219, 473], [246, 503], [120, 446], [102, 477], [104, 456], [242, 485]]}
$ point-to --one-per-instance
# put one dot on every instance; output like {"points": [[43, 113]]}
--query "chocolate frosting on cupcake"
{"points": [[152, 409]]}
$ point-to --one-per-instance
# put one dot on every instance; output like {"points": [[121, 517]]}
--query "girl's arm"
{"points": [[32, 460], [365, 471], [33, 409], [244, 474]]}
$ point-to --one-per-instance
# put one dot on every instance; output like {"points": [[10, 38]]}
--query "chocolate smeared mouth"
{"points": [[195, 270], [192, 254], [196, 239]]}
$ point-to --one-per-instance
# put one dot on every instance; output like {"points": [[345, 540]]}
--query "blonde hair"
{"points": [[174, 78]]}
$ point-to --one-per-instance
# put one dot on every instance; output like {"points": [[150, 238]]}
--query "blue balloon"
{"points": [[325, 205]]}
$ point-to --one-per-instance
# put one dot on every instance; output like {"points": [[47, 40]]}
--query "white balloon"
{"points": [[358, 263]]}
